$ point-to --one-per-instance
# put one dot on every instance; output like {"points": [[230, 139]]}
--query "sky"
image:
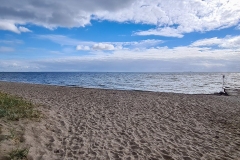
{"points": [[120, 36]]}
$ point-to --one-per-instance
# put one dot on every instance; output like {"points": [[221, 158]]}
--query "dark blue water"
{"points": [[190, 83]]}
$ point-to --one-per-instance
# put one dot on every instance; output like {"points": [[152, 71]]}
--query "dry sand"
{"points": [[108, 124]]}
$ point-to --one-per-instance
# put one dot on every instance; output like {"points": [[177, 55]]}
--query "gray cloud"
{"points": [[10, 12], [72, 13]]}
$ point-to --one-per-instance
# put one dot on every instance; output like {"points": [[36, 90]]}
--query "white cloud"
{"points": [[168, 32], [227, 42], [139, 44], [6, 49], [84, 48], [10, 25], [170, 18], [143, 44], [103, 46], [24, 29], [208, 42], [174, 17]]}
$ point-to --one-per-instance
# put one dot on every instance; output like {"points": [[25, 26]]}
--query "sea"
{"points": [[184, 82]]}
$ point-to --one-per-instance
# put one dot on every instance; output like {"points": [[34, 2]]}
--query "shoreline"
{"points": [[121, 124], [131, 90]]}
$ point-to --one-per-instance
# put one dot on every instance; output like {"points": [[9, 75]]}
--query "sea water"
{"points": [[187, 82]]}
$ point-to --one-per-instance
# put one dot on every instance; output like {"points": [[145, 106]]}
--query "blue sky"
{"points": [[120, 36]]}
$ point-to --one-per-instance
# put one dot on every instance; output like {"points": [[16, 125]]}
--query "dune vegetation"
{"points": [[13, 110]]}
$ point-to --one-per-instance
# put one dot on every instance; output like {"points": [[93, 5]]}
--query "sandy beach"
{"points": [[82, 123]]}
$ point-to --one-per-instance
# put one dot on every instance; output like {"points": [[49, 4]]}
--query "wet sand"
{"points": [[82, 123]]}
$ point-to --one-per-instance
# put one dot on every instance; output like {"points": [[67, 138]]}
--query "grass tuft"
{"points": [[14, 108], [19, 154]]}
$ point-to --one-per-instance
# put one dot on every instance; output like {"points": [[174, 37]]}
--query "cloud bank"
{"points": [[227, 42], [171, 18], [213, 54]]}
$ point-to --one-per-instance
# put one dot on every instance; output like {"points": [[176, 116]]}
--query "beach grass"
{"points": [[14, 108], [19, 154]]}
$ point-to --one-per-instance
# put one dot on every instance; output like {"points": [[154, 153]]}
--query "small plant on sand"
{"points": [[19, 154], [15, 136], [14, 108]]}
